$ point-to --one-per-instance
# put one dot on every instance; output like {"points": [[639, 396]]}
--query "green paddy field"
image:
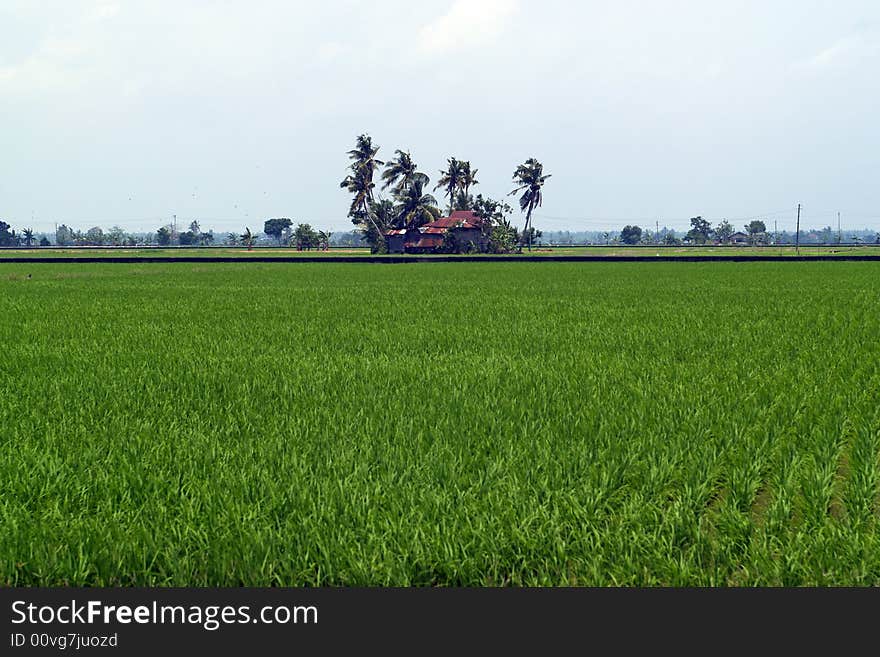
{"points": [[449, 424], [347, 252]]}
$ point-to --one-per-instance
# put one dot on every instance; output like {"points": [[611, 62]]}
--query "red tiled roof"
{"points": [[458, 219], [462, 218]]}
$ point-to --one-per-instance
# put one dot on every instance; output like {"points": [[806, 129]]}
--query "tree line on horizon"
{"points": [[279, 230], [701, 232], [305, 237]]}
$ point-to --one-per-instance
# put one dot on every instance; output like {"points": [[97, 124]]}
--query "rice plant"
{"points": [[485, 424]]}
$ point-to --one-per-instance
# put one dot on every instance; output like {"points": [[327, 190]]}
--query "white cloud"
{"points": [[468, 23], [847, 51], [64, 57]]}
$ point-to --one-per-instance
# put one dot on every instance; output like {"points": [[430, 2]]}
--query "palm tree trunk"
{"points": [[370, 217], [528, 226]]}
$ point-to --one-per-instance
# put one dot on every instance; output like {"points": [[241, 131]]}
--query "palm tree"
{"points": [[360, 181], [450, 180], [381, 219], [383, 213], [468, 177], [361, 189], [401, 172], [529, 178], [232, 239], [414, 207], [248, 238], [28, 234]]}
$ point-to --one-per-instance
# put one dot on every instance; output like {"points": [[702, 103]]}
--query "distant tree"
{"points": [[756, 229], [463, 201], [723, 231], [670, 239], [468, 179], [630, 234], [531, 235], [529, 178], [116, 236], [503, 238], [359, 182], [64, 236], [44, 241], [163, 236], [188, 238], [490, 210], [494, 215], [451, 180], [701, 230], [276, 227], [206, 239], [232, 239], [305, 237], [401, 171], [383, 212], [324, 240], [382, 219], [27, 236], [248, 238], [7, 236], [95, 236], [414, 206], [194, 227], [347, 238]]}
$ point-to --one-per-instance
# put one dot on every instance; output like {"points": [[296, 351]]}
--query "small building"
{"points": [[739, 239], [395, 240], [465, 226]]}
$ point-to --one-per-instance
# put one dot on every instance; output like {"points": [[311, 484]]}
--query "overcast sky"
{"points": [[126, 112]]}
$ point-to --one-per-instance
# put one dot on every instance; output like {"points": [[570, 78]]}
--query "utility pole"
{"points": [[657, 231], [838, 229], [797, 235]]}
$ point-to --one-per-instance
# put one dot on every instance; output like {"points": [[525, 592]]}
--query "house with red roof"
{"points": [[464, 226]]}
